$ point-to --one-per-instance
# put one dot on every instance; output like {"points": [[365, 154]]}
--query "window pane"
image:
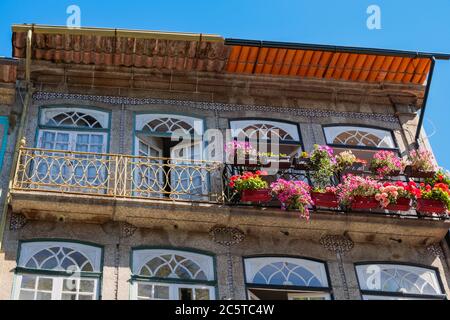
{"points": [[87, 285], [202, 294], [28, 282], [85, 297], [43, 296], [70, 285], [161, 292], [26, 295], [69, 296], [145, 290], [45, 284], [185, 294]]}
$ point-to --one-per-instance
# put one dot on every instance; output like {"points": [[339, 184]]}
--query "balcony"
{"points": [[153, 192]]}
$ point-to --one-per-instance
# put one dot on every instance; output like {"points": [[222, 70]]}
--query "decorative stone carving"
{"points": [[336, 243], [435, 250], [128, 230], [17, 222], [303, 112], [226, 236]]}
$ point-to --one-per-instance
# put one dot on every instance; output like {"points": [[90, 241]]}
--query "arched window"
{"points": [[160, 274], [74, 118], [302, 279], [58, 271], [167, 124], [393, 281], [265, 130], [351, 136]]}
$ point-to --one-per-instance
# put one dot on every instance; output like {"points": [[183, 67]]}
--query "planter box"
{"points": [[431, 206], [413, 173], [282, 162], [328, 200], [256, 195], [302, 163], [364, 203], [403, 204], [390, 174]]}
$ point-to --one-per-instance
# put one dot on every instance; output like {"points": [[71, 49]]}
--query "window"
{"points": [[363, 141], [283, 278], [58, 271], [3, 138], [177, 175], [393, 281], [172, 275], [287, 134], [72, 129]]}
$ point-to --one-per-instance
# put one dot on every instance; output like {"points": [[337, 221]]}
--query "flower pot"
{"points": [[327, 199], [403, 204], [302, 163], [364, 203], [414, 173], [256, 195], [431, 206]]}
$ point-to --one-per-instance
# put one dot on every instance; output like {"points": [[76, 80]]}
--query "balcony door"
{"points": [[169, 167]]}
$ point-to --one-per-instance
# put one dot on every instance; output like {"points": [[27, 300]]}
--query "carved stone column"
{"points": [[339, 245], [228, 237]]}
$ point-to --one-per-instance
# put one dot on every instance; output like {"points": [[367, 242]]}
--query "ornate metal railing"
{"points": [[121, 176]]}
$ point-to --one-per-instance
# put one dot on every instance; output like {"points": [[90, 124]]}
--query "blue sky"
{"points": [[406, 24]]}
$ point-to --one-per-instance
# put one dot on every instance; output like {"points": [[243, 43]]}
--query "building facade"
{"points": [[100, 204]]}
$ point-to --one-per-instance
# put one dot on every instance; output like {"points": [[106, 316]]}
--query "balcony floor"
{"points": [[365, 227]]}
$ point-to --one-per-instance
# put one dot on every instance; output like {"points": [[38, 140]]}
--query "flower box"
{"points": [[403, 204], [256, 195], [281, 162], [414, 173], [364, 203], [302, 163], [327, 199], [431, 206]]}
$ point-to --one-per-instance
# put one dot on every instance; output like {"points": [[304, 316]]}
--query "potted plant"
{"points": [[322, 165], [347, 161], [421, 164], [269, 159], [302, 162], [326, 197], [397, 196], [251, 187], [358, 192], [434, 199], [293, 195], [241, 153], [386, 163]]}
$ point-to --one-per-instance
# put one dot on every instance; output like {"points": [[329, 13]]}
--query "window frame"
{"points": [[365, 293], [369, 148], [19, 271], [173, 282], [256, 119], [42, 127], [300, 289]]}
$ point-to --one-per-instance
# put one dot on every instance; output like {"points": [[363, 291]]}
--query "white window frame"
{"points": [[141, 257], [73, 137], [143, 119], [48, 113], [29, 249], [292, 129], [367, 274], [331, 132], [173, 289]]}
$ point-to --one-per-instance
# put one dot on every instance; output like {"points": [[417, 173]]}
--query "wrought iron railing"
{"points": [[121, 176]]}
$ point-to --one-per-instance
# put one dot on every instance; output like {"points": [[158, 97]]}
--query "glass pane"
{"points": [[45, 284], [145, 290], [43, 296], [87, 285], [202, 294], [69, 296], [82, 139], [28, 282], [97, 139], [26, 295], [185, 294], [85, 297], [161, 292], [70, 285]]}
